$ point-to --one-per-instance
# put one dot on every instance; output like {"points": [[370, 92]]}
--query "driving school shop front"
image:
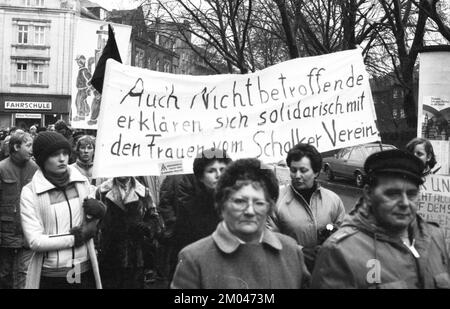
{"points": [[23, 111]]}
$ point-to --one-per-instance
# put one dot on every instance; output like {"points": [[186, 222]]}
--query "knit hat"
{"points": [[46, 143]]}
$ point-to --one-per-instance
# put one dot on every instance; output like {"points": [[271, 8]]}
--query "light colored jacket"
{"points": [[44, 219], [296, 218]]}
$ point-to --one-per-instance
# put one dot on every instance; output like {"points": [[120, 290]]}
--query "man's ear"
{"points": [[367, 193], [16, 147]]}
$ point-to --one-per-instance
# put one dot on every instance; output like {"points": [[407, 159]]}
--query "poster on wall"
{"points": [[154, 123], [90, 39], [434, 103], [434, 202]]}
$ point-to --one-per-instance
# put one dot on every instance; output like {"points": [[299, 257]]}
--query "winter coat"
{"points": [[362, 255], [47, 215], [221, 261], [197, 216], [168, 203], [125, 227], [12, 179], [295, 217]]}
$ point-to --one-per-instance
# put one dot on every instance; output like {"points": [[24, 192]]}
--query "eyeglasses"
{"points": [[240, 203]]}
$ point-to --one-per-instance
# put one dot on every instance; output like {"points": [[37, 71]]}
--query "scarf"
{"points": [[84, 165], [306, 194], [58, 180]]}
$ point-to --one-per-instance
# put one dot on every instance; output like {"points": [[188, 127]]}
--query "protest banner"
{"points": [[434, 202], [434, 102], [90, 39], [149, 119]]}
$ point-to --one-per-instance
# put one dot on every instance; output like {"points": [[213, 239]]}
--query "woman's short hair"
{"points": [[17, 138], [428, 148], [243, 172], [85, 140], [208, 156], [301, 150]]}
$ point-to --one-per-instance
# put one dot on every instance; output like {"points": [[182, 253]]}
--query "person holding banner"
{"points": [[383, 242], [422, 148], [197, 216], [305, 209], [59, 220], [242, 253]]}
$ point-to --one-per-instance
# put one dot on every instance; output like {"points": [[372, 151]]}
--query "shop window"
{"points": [[38, 74], [22, 73], [23, 34], [39, 35]]}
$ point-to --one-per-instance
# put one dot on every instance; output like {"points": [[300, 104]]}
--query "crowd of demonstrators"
{"points": [[242, 252], [227, 225], [16, 171], [304, 208], [384, 243]]}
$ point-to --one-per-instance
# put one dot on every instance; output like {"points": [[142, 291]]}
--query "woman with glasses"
{"points": [[242, 253]]}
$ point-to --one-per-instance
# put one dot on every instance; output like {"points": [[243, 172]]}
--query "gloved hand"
{"points": [[93, 209], [84, 232]]}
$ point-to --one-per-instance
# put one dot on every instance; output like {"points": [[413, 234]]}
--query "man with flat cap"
{"points": [[383, 243]]}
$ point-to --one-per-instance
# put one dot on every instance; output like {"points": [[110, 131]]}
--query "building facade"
{"points": [[146, 50], [35, 61]]}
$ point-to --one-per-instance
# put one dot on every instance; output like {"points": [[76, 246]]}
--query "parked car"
{"points": [[349, 162]]}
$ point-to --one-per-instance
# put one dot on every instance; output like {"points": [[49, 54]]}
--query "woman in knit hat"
{"points": [[58, 220]]}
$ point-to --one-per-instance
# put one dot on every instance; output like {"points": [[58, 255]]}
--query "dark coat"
{"points": [[125, 226], [168, 202], [12, 179], [197, 216]]}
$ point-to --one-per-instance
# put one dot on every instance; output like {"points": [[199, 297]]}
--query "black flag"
{"points": [[109, 51]]}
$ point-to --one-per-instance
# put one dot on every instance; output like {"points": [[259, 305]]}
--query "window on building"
{"points": [[157, 65], [139, 58], [23, 34], [34, 2], [167, 67], [22, 73], [39, 35], [38, 74]]}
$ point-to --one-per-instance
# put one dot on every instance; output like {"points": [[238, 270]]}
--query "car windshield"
{"points": [[376, 148]]}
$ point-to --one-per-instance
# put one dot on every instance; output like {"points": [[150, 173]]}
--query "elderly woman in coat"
{"points": [[242, 252]]}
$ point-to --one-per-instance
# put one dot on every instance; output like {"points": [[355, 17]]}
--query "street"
{"points": [[348, 193]]}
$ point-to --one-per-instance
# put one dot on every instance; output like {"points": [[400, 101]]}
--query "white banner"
{"points": [[434, 202], [150, 119], [91, 37]]}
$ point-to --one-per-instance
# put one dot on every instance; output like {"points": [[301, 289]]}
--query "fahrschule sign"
{"points": [[28, 105]]}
